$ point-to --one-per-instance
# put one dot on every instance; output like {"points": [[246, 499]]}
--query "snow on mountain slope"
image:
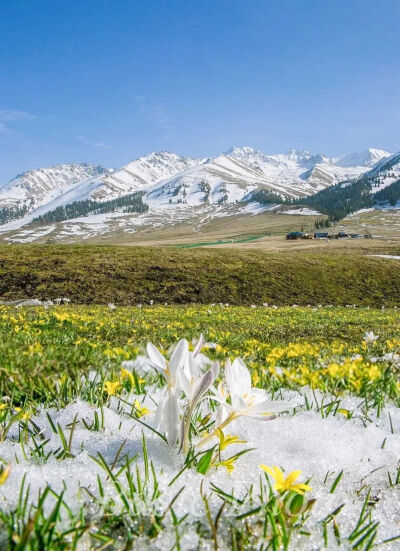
{"points": [[172, 183], [37, 187], [217, 181], [391, 164], [367, 158], [301, 171], [384, 173], [233, 175], [99, 185], [141, 173]]}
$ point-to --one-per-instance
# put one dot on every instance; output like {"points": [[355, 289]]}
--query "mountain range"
{"points": [[175, 186]]}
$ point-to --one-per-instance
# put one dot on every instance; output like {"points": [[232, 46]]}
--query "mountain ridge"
{"points": [[168, 181]]}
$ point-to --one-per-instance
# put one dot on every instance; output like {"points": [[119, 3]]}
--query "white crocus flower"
{"points": [[194, 385], [189, 375], [222, 412], [245, 401], [167, 414], [370, 337]]}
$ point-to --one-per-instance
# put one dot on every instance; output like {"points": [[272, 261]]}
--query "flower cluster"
{"points": [[190, 375]]}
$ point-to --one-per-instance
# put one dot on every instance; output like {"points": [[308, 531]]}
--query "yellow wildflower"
{"points": [[26, 415], [127, 375], [333, 369], [225, 441], [4, 473], [111, 387], [229, 464], [140, 410], [373, 373], [283, 484]]}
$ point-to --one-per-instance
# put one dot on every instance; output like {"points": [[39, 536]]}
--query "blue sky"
{"points": [[105, 81]]}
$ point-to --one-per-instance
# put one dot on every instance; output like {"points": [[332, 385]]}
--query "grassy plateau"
{"points": [[133, 275]]}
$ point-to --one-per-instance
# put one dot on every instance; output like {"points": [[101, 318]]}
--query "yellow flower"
{"points": [[333, 369], [373, 373], [25, 416], [140, 410], [225, 441], [283, 484], [4, 473], [229, 464], [125, 374], [111, 387], [3, 406]]}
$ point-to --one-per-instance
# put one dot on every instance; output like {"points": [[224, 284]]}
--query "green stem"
{"points": [[186, 428], [214, 433]]}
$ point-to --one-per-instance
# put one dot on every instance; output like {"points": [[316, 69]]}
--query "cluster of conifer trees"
{"points": [[7, 214], [390, 193], [127, 203]]}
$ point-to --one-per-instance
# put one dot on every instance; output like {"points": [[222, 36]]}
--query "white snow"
{"points": [[365, 449], [303, 211], [367, 158], [386, 256]]}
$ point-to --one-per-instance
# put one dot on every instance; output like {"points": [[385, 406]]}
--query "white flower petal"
{"points": [[178, 357], [185, 384], [201, 386], [158, 421], [237, 377], [220, 416], [171, 417], [156, 358], [268, 407], [199, 345]]}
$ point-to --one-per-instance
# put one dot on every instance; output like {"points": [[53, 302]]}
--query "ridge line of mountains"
{"points": [[161, 181]]}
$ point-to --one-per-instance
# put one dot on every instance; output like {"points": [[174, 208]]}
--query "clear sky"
{"points": [[105, 81]]}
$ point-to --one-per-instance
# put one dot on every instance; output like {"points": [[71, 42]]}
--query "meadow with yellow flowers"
{"points": [[107, 441]]}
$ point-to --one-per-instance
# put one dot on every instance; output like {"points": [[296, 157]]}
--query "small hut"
{"points": [[295, 235]]}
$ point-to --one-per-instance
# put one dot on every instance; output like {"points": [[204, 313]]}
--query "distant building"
{"points": [[295, 235], [321, 235]]}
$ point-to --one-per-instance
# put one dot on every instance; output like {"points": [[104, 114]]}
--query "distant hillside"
{"points": [[379, 185], [127, 203]]}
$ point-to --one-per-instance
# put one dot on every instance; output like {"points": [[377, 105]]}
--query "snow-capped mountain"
{"points": [[367, 158], [141, 173], [170, 182], [390, 163], [37, 187], [385, 172], [304, 172], [223, 179]]}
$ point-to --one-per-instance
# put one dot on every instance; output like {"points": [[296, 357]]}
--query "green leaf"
{"points": [[205, 461]]}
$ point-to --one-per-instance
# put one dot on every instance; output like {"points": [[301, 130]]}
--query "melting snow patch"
{"points": [[365, 450], [386, 256], [302, 211]]}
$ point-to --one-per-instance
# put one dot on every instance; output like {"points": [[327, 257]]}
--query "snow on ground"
{"points": [[365, 448], [256, 208], [386, 256], [302, 211]]}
